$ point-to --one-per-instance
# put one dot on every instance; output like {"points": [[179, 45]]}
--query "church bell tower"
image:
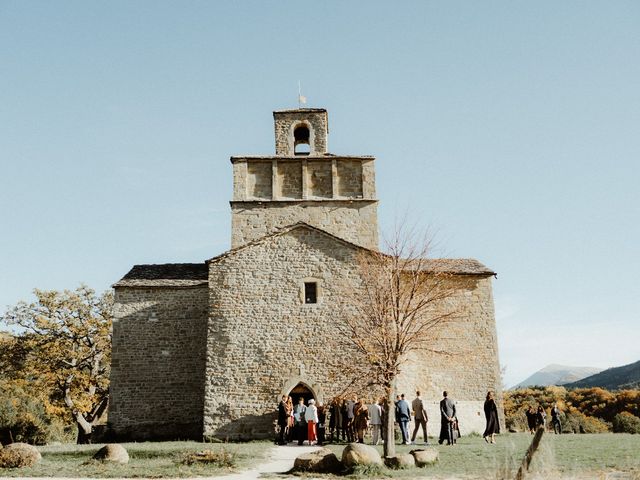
{"points": [[302, 182]]}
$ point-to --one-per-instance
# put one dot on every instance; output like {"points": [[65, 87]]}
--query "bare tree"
{"points": [[400, 305]]}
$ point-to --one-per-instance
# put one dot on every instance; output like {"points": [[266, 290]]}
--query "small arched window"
{"points": [[301, 140]]}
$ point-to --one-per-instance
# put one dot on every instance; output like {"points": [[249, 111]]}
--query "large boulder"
{"points": [[320, 461], [360, 454], [16, 455], [112, 453], [402, 460], [425, 456]]}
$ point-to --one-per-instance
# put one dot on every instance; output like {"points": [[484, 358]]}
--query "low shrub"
{"points": [[578, 422], [27, 416], [22, 416], [516, 422], [221, 458], [626, 422]]}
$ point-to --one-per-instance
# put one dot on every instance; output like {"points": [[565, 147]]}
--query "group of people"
{"points": [[350, 418], [538, 418]]}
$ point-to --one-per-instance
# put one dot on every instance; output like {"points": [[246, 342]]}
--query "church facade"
{"points": [[207, 349]]}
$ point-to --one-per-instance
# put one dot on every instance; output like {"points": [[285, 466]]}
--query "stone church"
{"points": [[207, 349]]}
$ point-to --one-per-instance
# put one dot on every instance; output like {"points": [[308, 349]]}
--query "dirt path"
{"points": [[279, 460]]}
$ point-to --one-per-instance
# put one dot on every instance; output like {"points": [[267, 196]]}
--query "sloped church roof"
{"points": [[195, 274]]}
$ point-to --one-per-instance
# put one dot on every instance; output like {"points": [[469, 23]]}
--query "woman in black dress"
{"points": [[531, 419], [491, 414]]}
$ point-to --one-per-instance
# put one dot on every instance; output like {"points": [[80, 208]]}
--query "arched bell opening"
{"points": [[301, 140]]}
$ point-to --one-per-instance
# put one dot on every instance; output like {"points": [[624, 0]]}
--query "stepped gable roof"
{"points": [[166, 275], [454, 266]]}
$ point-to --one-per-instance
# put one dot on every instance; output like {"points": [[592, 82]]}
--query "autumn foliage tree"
{"points": [[399, 306], [64, 341], [584, 410]]}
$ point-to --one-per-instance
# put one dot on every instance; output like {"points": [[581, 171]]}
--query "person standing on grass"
{"points": [[555, 419], [292, 422], [322, 425], [351, 404], [447, 420], [403, 414], [421, 418], [345, 420], [541, 417], [333, 416], [283, 420], [375, 420], [301, 426], [531, 419], [311, 416], [361, 420], [491, 414]]}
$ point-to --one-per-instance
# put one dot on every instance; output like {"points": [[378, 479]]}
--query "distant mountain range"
{"points": [[617, 378], [557, 375]]}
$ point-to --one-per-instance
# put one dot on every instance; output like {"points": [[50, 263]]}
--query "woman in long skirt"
{"points": [[491, 414], [311, 416]]}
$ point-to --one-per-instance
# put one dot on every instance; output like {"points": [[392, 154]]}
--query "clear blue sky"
{"points": [[512, 128]]}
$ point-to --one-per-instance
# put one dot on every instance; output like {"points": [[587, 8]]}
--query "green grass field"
{"points": [[597, 456], [148, 459], [568, 456]]}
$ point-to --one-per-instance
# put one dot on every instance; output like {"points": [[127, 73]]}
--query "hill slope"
{"points": [[626, 376], [557, 375]]}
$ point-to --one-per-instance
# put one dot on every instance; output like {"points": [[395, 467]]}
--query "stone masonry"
{"points": [[157, 370], [206, 349]]}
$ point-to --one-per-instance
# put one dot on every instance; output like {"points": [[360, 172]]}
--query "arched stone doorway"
{"points": [[301, 386], [301, 390]]}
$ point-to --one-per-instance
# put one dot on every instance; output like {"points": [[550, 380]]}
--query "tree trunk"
{"points": [[84, 433], [389, 443], [524, 467], [84, 429]]}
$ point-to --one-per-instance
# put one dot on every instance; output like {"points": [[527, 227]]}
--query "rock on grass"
{"points": [[356, 454], [112, 453], [425, 456], [17, 455], [402, 460], [320, 461]]}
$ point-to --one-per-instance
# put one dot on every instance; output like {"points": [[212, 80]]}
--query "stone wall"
{"points": [[157, 370], [263, 340], [319, 179], [262, 336], [349, 178], [469, 366], [355, 221], [289, 180], [280, 178], [259, 179]]}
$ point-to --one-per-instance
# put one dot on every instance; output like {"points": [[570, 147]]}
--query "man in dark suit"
{"points": [[421, 418], [403, 414], [447, 420], [283, 420]]}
